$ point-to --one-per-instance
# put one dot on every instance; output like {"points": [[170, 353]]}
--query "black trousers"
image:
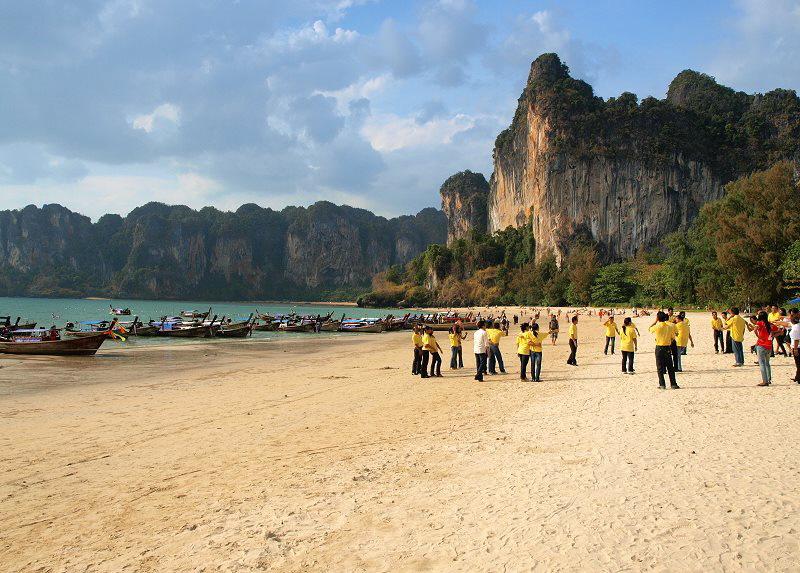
{"points": [[796, 353], [480, 365], [664, 362], [728, 343], [573, 350], [719, 341], [675, 359], [612, 340], [523, 366], [779, 343], [436, 364], [417, 360], [423, 367], [627, 361]]}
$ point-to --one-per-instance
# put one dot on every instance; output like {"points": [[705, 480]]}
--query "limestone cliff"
{"points": [[161, 251], [464, 198], [624, 173]]}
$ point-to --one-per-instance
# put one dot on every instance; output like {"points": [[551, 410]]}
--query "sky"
{"points": [[108, 104]]}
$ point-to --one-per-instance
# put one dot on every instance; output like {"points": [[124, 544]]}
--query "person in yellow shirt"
{"points": [[683, 336], [573, 342], [524, 350], [611, 333], [430, 347], [716, 327], [664, 332], [495, 357], [628, 345], [736, 325], [416, 340], [536, 351], [774, 315], [457, 357]]}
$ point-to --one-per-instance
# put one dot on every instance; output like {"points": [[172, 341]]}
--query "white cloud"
{"points": [[391, 132], [166, 111], [364, 88]]}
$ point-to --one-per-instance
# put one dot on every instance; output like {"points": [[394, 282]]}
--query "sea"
{"points": [[58, 311]]}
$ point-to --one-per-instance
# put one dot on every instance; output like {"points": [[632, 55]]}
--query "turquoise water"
{"points": [[58, 311]]}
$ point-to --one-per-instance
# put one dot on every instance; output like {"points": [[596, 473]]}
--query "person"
{"points": [[773, 314], [683, 336], [728, 339], [765, 331], [426, 353], [780, 337], [430, 345], [794, 342], [664, 332], [553, 329], [611, 333], [716, 326], [416, 340], [480, 346], [456, 357], [573, 342], [536, 352], [524, 351], [495, 356], [628, 345], [736, 326]]}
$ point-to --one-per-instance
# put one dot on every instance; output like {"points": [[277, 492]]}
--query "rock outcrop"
{"points": [[161, 251], [464, 197], [623, 173]]}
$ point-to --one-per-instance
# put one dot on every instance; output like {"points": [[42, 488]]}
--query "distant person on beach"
{"points": [[664, 332], [683, 337], [536, 351], [495, 356], [765, 331], [457, 356], [780, 337], [431, 346], [480, 347], [553, 329], [573, 342], [524, 351], [736, 326], [416, 340], [716, 327], [794, 341], [728, 339], [611, 333], [628, 345], [773, 315]]}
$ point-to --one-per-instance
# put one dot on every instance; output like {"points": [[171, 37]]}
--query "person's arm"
{"points": [[636, 344], [616, 328], [691, 341]]}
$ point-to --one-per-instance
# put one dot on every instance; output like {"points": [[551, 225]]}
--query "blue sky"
{"points": [[108, 104]]}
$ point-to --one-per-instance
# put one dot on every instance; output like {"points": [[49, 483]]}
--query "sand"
{"points": [[323, 455]]}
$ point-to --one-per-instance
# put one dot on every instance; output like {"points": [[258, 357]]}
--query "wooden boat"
{"points": [[195, 314], [297, 327], [6, 321], [236, 329], [362, 326], [331, 326], [83, 346], [266, 327], [119, 311], [180, 331]]}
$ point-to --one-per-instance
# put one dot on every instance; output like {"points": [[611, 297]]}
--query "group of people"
{"points": [[672, 331]]}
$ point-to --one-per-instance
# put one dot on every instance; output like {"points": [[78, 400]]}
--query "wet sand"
{"points": [[327, 455]]}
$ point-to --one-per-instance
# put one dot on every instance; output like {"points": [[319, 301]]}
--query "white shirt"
{"points": [[481, 342], [794, 333]]}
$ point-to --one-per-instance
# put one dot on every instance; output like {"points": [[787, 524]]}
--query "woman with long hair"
{"points": [[765, 332], [628, 345]]}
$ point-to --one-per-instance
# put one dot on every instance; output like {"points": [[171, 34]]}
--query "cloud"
{"points": [[391, 132], [165, 113], [30, 163]]}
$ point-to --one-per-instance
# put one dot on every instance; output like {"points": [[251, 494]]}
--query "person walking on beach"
{"points": [[431, 346], [553, 329], [416, 340], [480, 346], [495, 356], [457, 357], [611, 333], [573, 342], [728, 339], [716, 327], [664, 332], [736, 326], [628, 345], [682, 337], [524, 350]]}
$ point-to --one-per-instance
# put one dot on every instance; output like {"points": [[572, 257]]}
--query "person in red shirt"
{"points": [[765, 332]]}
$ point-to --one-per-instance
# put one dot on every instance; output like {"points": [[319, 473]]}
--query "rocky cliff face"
{"points": [[623, 173], [162, 251], [464, 197]]}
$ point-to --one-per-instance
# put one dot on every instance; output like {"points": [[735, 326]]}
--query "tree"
{"points": [[581, 267], [614, 284]]}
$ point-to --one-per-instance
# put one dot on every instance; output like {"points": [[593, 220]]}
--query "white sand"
{"points": [[340, 460]]}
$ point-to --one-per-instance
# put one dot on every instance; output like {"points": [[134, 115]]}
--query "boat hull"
{"points": [[81, 346], [190, 332], [333, 326], [238, 332], [296, 328], [365, 328]]}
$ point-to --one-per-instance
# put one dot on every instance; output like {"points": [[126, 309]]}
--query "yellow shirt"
{"points": [[495, 335], [416, 339], [611, 329], [537, 341], [665, 333], [736, 325], [774, 316], [523, 346], [455, 340], [573, 330], [716, 323], [429, 343], [626, 337], [682, 333]]}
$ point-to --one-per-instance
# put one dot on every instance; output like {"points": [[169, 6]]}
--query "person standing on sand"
{"points": [[683, 336], [416, 340], [611, 333], [553, 329], [480, 347], [728, 339], [665, 334], [765, 331], [736, 326], [524, 351], [573, 342], [495, 356], [536, 352], [431, 346], [794, 342], [716, 326], [457, 357], [628, 345]]}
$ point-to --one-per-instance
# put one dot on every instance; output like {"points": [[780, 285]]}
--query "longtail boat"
{"points": [[236, 330], [6, 321], [179, 330], [119, 311], [31, 342], [363, 325]]}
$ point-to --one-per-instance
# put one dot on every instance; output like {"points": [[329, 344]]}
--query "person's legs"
{"points": [[523, 365], [423, 367], [763, 363], [417, 360], [573, 351], [630, 361], [718, 341], [678, 355], [460, 357], [608, 340], [738, 353], [536, 366], [663, 356], [613, 342], [624, 361], [499, 356], [436, 364], [478, 367], [674, 350], [728, 343], [453, 357], [492, 360], [796, 354]]}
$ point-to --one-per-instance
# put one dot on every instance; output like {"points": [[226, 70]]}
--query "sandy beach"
{"points": [[327, 455]]}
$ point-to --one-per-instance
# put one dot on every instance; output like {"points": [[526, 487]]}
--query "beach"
{"points": [[324, 454]]}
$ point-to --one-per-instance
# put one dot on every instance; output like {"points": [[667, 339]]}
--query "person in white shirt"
{"points": [[481, 348], [794, 342]]}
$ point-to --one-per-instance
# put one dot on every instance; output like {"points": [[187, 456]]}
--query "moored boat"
{"points": [[119, 311], [31, 342]]}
